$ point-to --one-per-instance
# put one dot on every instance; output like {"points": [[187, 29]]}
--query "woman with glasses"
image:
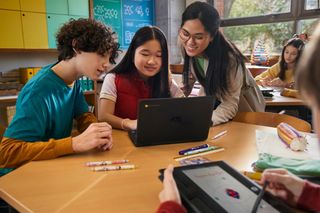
{"points": [[296, 192], [212, 60]]}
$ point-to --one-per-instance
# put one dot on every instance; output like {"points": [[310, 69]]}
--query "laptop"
{"points": [[172, 120]]}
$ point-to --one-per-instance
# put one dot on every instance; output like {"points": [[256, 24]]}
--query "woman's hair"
{"points": [[86, 35], [218, 50], [295, 42], [160, 82], [307, 73]]}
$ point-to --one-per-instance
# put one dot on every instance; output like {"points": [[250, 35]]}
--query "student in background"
{"points": [[282, 73], [142, 73], [212, 60], [295, 191], [292, 189], [50, 101]]}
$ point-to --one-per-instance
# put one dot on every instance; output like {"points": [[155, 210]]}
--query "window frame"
{"points": [[297, 13]]}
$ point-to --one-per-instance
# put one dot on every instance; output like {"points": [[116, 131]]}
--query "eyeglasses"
{"points": [[185, 36]]}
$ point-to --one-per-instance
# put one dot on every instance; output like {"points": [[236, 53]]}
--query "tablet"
{"points": [[217, 187]]}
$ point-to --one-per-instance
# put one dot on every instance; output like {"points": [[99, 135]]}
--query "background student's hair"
{"points": [[308, 75], [295, 42], [217, 51], [159, 83], [86, 35]]}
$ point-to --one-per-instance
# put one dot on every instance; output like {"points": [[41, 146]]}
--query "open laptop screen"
{"points": [[173, 120]]}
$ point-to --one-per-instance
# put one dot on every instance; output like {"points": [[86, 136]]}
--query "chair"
{"points": [[272, 120]]}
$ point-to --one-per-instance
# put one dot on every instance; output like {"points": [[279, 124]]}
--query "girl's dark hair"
{"points": [[160, 82], [86, 35], [295, 42], [218, 50]]}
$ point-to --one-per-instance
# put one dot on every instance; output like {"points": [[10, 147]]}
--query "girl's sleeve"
{"points": [[171, 207], [309, 198], [228, 107], [272, 72], [108, 89]]}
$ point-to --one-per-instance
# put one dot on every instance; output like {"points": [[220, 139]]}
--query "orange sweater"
{"points": [[14, 153]]}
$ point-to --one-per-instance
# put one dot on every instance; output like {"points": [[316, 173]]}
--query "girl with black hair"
{"points": [[142, 73], [212, 60], [282, 73]]}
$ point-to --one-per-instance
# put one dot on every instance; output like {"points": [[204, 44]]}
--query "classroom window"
{"points": [[308, 25], [249, 8], [273, 21], [312, 4], [272, 35]]}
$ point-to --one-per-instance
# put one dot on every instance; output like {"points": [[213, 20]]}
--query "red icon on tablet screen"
{"points": [[232, 193]]}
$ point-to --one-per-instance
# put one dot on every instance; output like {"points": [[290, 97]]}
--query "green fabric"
{"points": [[296, 166], [200, 65]]}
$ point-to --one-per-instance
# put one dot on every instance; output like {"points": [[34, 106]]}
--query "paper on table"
{"points": [[270, 143]]}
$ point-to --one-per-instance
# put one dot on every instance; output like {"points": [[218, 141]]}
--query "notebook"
{"points": [[172, 120]]}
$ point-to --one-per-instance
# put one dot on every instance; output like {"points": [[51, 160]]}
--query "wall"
{"points": [[168, 18], [13, 60]]}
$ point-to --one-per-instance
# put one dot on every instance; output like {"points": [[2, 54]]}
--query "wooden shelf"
{"points": [[28, 50], [8, 99]]}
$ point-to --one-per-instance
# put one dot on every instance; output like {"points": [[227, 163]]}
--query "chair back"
{"points": [[272, 120]]}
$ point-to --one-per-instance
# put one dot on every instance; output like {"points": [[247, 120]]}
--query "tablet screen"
{"points": [[227, 191]]}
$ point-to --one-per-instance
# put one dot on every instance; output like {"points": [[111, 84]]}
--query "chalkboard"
{"points": [[125, 17]]}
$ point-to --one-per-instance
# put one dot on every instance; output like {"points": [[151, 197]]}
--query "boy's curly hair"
{"points": [[86, 35]]}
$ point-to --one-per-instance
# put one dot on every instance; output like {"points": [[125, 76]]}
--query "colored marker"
{"points": [[113, 168], [182, 152], [181, 157], [102, 163], [253, 175], [200, 150], [219, 135]]}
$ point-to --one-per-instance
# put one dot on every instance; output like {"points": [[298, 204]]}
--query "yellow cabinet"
{"points": [[10, 5], [34, 30], [11, 29], [33, 5]]}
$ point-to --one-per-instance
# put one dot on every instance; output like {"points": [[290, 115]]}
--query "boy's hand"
{"points": [[97, 135]]}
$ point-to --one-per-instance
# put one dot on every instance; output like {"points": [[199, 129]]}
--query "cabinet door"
{"points": [[33, 5], [34, 27], [57, 6], [79, 8], [54, 22], [10, 4], [11, 29]]}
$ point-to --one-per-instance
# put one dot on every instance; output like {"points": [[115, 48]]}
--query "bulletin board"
{"points": [[125, 17]]}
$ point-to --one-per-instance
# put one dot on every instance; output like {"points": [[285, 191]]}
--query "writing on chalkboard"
{"points": [[125, 17]]}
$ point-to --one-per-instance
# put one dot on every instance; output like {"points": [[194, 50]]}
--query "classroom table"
{"points": [[278, 103], [65, 184], [279, 100]]}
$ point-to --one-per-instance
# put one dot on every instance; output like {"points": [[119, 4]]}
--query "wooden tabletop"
{"points": [[65, 184], [278, 100]]}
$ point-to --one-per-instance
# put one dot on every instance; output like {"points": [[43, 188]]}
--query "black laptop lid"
{"points": [[173, 120]]}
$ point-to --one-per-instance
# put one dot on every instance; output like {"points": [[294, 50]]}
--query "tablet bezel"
{"points": [[197, 200]]}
